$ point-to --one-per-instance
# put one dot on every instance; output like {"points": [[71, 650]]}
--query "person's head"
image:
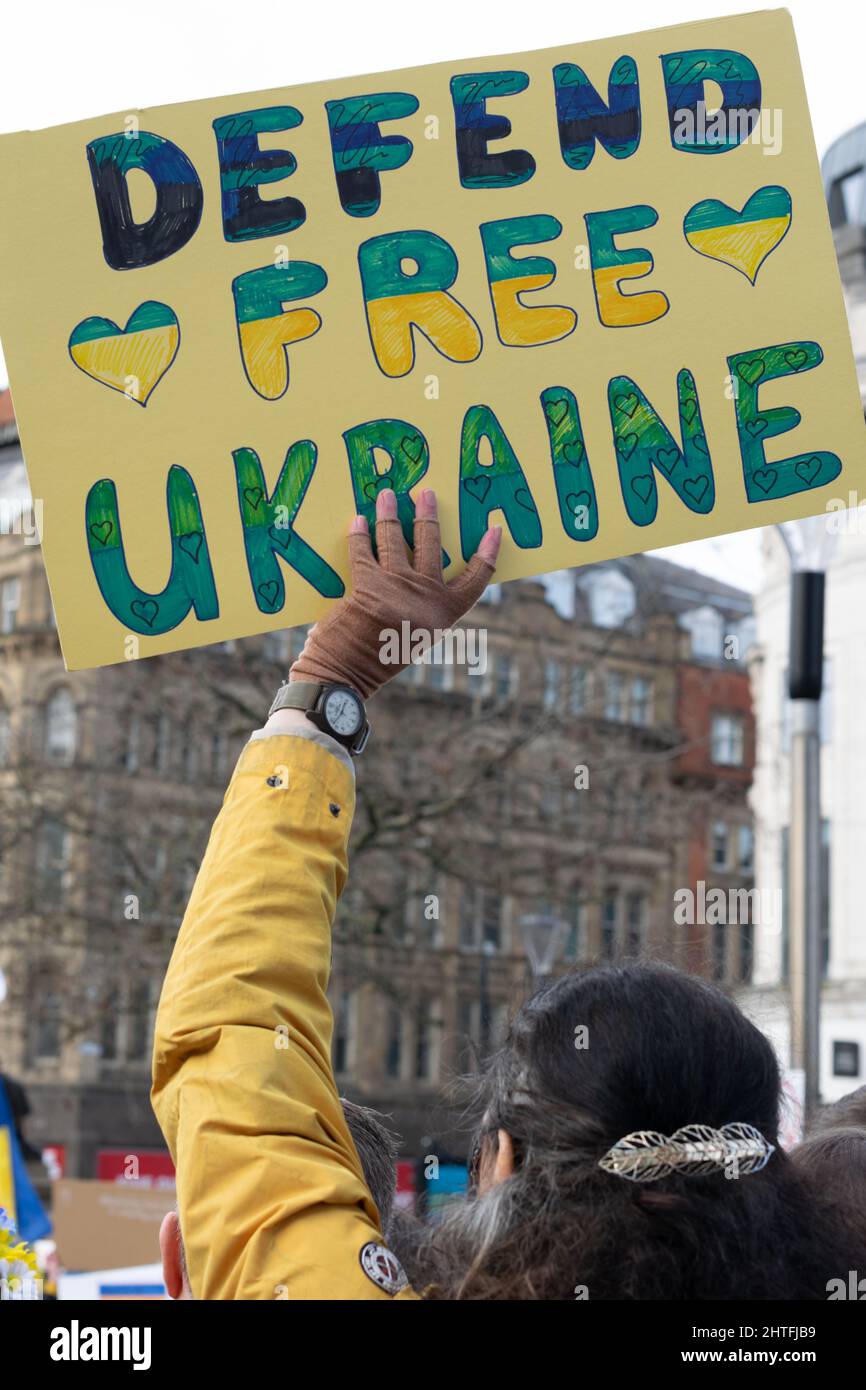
{"points": [[377, 1150], [849, 1112], [835, 1160], [591, 1058]]}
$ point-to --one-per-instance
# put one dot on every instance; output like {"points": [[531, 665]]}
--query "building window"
{"points": [[746, 633], [635, 922], [61, 727], [276, 647], [746, 848], [705, 627], [552, 678], [747, 952], [504, 672], [343, 1030], [641, 701], [190, 757], [219, 752], [424, 906], [480, 918], [394, 1044], [639, 809], [577, 690], [139, 1021], [611, 598], [5, 736], [609, 914], [413, 674], [161, 742], [48, 1011], [846, 1059], [108, 1027], [572, 948], [10, 600], [466, 1033], [153, 859], [132, 752], [52, 861], [615, 706], [297, 639], [719, 948], [441, 672], [845, 199], [551, 799], [426, 1039], [719, 853], [728, 740]]}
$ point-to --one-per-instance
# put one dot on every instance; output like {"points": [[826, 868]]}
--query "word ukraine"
{"points": [[645, 447]]}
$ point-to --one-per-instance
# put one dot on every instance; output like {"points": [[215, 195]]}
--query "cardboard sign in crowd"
{"points": [[587, 293]]}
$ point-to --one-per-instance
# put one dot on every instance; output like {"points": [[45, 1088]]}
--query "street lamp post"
{"points": [[809, 544], [488, 951], [543, 935]]}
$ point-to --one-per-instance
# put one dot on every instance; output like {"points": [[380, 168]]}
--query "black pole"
{"points": [[805, 680], [484, 1005], [806, 662]]}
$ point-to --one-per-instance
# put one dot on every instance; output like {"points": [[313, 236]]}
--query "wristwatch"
{"points": [[337, 710]]}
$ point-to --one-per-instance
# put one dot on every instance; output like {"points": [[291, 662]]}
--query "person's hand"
{"points": [[347, 646]]}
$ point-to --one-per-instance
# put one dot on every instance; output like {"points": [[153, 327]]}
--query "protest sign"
{"points": [[588, 293], [107, 1224]]}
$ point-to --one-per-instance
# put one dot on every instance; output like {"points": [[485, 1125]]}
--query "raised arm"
{"points": [[271, 1194]]}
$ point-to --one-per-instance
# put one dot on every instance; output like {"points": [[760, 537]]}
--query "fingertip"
{"points": [[386, 505], [427, 507], [359, 526], [490, 543]]}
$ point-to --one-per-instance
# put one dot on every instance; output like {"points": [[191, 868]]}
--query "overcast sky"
{"points": [[65, 60]]}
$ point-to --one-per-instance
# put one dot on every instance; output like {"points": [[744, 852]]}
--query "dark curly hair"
{"points": [[664, 1049]]}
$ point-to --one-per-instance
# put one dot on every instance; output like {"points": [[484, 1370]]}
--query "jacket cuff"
{"points": [[277, 727]]}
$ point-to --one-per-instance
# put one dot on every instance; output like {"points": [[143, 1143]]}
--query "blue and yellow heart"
{"points": [[134, 359], [741, 239]]}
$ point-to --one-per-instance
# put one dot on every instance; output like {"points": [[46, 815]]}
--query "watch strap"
{"points": [[296, 695]]}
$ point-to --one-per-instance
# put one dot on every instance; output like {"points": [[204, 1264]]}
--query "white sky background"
{"points": [[63, 61]]}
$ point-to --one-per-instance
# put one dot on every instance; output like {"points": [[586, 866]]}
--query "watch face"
{"points": [[343, 712]]}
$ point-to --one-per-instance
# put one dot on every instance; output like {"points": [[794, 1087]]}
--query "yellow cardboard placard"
{"points": [[589, 293]]}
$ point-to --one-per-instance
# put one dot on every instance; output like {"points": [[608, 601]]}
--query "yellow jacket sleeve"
{"points": [[271, 1194]]}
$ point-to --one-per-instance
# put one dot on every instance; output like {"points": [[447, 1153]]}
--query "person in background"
{"points": [[834, 1159], [848, 1110]]}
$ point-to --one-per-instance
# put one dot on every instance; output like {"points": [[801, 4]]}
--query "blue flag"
{"points": [[21, 1201]]}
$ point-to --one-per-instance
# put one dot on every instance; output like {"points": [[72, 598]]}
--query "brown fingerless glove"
{"points": [[347, 646]]}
